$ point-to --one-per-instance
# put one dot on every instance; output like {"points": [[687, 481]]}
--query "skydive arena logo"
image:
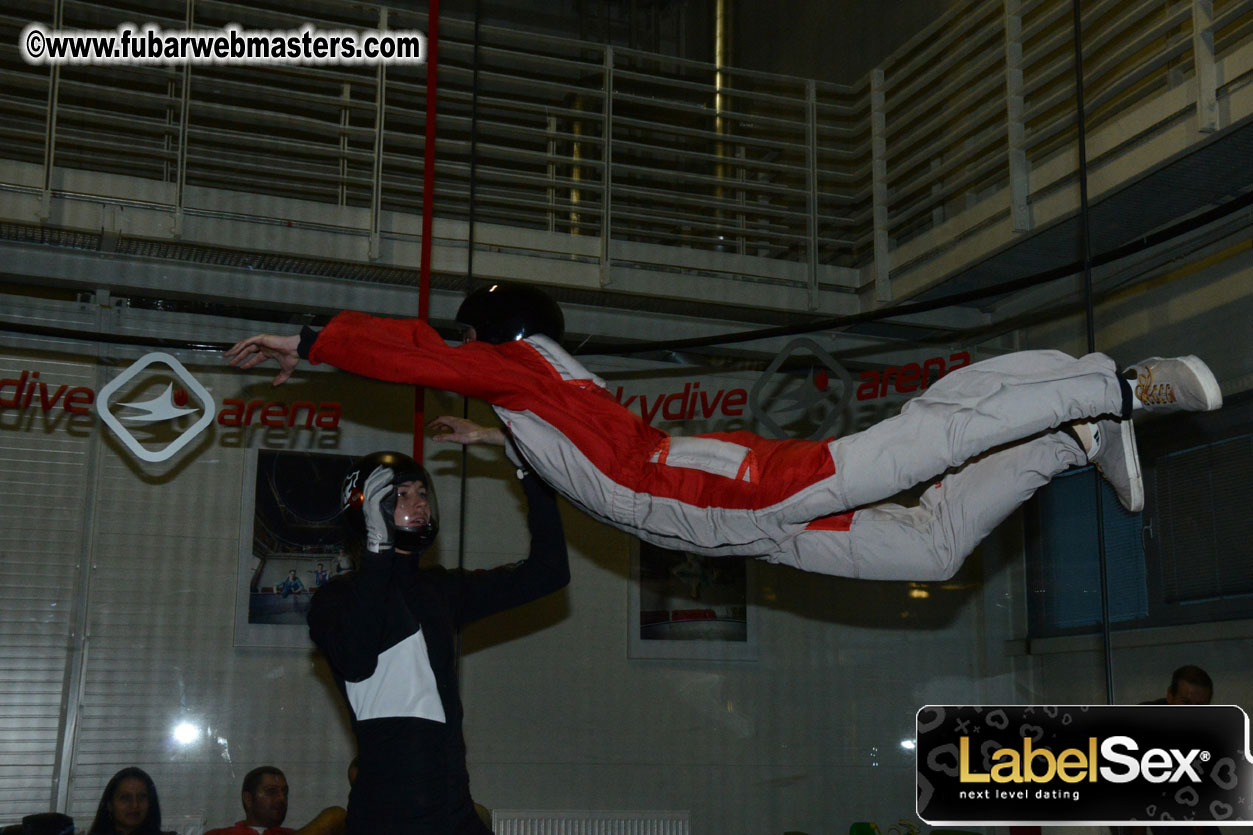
{"points": [[828, 393], [159, 409], [1106, 765]]}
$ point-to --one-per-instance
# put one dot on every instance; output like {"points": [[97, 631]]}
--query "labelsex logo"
{"points": [[163, 407], [1157, 765], [1107, 765]]}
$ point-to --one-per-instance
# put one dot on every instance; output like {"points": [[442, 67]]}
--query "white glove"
{"points": [[378, 506]]}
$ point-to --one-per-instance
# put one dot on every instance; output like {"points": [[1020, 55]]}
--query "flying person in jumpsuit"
{"points": [[987, 435]]}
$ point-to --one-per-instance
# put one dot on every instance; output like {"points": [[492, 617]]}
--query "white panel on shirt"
{"points": [[403, 685], [567, 366]]}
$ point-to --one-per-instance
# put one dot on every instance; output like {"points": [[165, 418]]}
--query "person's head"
{"points": [[320, 567], [291, 575], [128, 806], [264, 796], [416, 511], [1190, 685], [508, 312]]}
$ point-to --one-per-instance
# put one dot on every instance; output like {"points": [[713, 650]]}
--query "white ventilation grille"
{"points": [[590, 823]]}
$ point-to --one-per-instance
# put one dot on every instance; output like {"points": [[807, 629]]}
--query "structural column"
{"points": [[1207, 117], [606, 177], [50, 125], [879, 178], [811, 137], [1019, 169], [376, 189]]}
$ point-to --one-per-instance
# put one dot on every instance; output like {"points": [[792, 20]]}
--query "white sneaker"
{"points": [[1173, 384], [1111, 447]]}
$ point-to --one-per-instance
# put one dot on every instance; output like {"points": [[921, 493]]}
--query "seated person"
{"points": [[291, 585], [264, 797], [128, 806], [1189, 685]]}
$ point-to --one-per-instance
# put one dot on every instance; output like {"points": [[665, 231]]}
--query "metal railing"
{"points": [[625, 146]]}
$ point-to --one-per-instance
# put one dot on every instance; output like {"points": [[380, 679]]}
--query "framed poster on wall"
{"points": [[291, 543], [686, 606]]}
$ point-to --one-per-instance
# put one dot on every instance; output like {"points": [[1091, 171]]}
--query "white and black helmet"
{"points": [[412, 538]]}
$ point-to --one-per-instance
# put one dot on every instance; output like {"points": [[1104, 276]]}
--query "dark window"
{"points": [[1188, 558], [1064, 569], [1201, 524]]}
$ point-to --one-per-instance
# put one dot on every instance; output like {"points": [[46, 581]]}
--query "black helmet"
{"points": [[508, 312], [413, 538]]}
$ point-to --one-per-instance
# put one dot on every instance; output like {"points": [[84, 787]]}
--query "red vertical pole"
{"points": [[428, 199]]}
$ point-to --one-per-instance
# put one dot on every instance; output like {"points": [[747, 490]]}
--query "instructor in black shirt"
{"points": [[388, 630]]}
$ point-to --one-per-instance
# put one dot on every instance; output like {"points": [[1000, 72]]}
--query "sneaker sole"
{"points": [[1131, 460], [1209, 384]]}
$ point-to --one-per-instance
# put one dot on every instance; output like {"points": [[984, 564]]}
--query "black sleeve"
{"points": [[307, 337], [346, 617], [545, 570]]}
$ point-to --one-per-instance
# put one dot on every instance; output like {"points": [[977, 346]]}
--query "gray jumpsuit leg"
{"points": [[930, 542], [974, 409]]}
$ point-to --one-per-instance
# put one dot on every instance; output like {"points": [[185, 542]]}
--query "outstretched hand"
{"points": [[255, 350], [459, 430]]}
